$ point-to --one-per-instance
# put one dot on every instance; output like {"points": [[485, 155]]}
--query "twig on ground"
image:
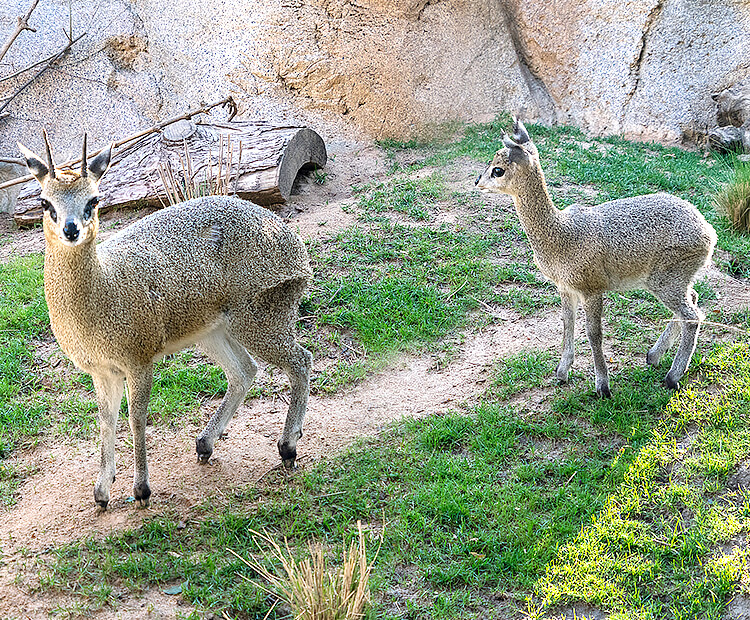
{"points": [[455, 291], [23, 24], [486, 306], [12, 160], [228, 103]]}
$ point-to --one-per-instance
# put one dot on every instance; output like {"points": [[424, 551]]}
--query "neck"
{"points": [[539, 216], [70, 274]]}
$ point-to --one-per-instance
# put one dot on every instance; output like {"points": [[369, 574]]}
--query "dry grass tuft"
{"points": [[733, 200], [184, 184], [312, 589]]}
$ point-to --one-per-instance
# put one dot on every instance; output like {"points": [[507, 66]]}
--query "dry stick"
{"points": [[178, 193], [23, 24], [221, 164], [239, 165], [164, 183], [39, 73], [12, 160], [5, 78], [187, 171], [229, 160], [228, 102]]}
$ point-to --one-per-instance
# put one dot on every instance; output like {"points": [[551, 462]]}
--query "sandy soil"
{"points": [[56, 502]]}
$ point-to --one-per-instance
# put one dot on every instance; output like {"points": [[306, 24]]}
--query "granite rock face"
{"points": [[642, 68]]}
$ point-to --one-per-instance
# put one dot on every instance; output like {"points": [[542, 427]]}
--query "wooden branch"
{"points": [[5, 78], [228, 103], [263, 170], [39, 73], [12, 160], [23, 24]]}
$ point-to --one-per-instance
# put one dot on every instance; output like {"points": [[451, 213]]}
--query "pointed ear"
{"points": [[34, 163], [516, 153], [98, 166], [520, 135]]}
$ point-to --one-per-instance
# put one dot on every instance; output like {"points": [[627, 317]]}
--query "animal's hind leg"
{"points": [[667, 338], [664, 343], [296, 362], [240, 370], [267, 329], [682, 300]]}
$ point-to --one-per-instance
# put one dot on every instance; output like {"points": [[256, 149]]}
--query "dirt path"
{"points": [[56, 504]]}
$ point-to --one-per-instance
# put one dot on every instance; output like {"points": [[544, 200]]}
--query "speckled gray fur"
{"points": [[658, 242], [216, 271]]}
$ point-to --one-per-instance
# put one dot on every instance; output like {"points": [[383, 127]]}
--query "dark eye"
{"points": [[47, 206], [497, 172], [89, 208]]}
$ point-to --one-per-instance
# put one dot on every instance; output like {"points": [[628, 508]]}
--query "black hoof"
{"points": [[604, 393], [289, 464], [670, 384], [101, 505], [203, 450], [142, 493], [286, 453]]}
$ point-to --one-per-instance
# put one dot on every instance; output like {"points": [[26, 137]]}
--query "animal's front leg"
{"points": [[569, 307], [139, 391], [593, 308], [108, 396]]}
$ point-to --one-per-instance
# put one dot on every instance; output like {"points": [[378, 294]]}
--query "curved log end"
{"points": [[305, 149]]}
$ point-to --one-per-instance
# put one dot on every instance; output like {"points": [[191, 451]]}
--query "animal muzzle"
{"points": [[71, 231]]}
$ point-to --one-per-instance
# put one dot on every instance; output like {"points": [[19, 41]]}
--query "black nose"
{"points": [[477, 181], [70, 231]]}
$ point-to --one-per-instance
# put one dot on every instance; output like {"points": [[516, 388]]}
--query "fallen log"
{"points": [[253, 159]]}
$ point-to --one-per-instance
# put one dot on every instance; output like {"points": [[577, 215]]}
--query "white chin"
{"points": [[70, 244]]}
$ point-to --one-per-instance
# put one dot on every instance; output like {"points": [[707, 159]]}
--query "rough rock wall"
{"points": [[644, 68]]}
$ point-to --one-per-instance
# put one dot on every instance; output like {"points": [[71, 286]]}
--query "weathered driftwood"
{"points": [[265, 160]]}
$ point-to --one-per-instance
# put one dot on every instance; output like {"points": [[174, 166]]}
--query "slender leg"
{"points": [[668, 337], [109, 389], [691, 320], [569, 307], [265, 327], [593, 308], [297, 364], [139, 391], [664, 343], [240, 370]]}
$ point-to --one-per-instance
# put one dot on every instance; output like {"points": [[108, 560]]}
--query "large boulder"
{"points": [[642, 68]]}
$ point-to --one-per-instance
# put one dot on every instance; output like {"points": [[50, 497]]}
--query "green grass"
{"points": [[733, 200], [395, 285], [412, 197], [181, 384], [521, 372], [624, 504], [668, 542]]}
